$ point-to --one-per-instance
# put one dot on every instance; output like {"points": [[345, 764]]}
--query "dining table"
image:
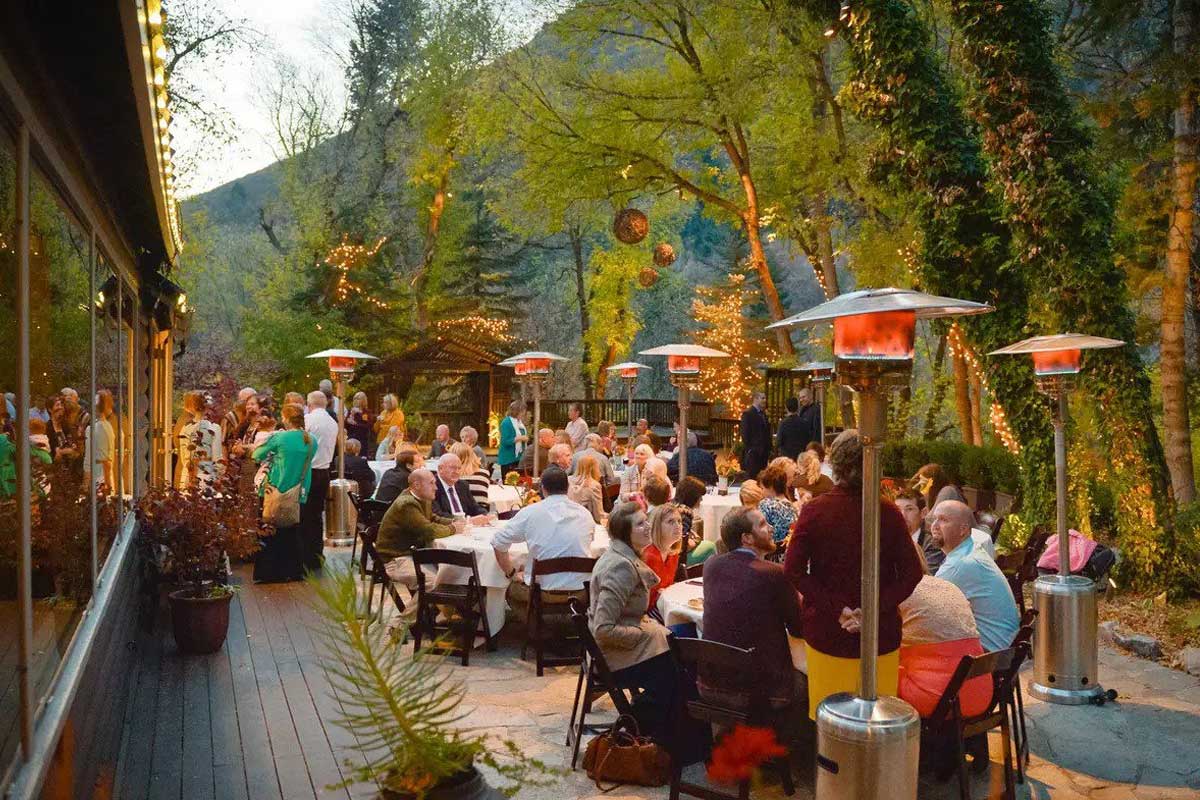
{"points": [[478, 540], [684, 602], [713, 508], [500, 498]]}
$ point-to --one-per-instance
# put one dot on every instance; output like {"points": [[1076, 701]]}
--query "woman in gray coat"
{"points": [[634, 645]]}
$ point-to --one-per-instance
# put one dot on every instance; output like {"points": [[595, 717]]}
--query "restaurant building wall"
{"points": [[88, 227]]}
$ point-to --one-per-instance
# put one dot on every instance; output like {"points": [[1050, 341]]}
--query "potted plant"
{"points": [[189, 535], [402, 710]]}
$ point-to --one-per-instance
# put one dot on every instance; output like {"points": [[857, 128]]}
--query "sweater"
{"points": [[410, 524]]}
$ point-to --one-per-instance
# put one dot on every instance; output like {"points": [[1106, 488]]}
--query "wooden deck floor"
{"points": [[251, 721]]}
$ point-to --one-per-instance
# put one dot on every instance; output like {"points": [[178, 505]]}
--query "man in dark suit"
{"points": [[453, 497], [395, 480], [756, 436], [358, 470], [749, 603], [792, 436]]}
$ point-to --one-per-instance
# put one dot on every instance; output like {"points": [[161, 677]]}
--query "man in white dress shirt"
{"points": [[324, 429], [557, 527], [577, 427]]}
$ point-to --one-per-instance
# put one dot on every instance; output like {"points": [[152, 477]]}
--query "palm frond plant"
{"points": [[403, 708]]}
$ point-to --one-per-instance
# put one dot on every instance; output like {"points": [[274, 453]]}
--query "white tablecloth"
{"points": [[503, 498], [713, 508], [380, 467], [673, 605], [478, 540]]}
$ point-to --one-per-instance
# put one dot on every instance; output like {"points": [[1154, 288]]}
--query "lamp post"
{"points": [[1065, 662], [683, 363], [628, 372], [532, 367], [867, 745], [341, 367], [819, 373]]}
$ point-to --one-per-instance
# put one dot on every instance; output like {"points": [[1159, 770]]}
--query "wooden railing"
{"points": [[724, 433], [659, 413]]}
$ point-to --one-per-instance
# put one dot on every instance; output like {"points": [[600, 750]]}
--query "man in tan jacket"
{"points": [[410, 524]]}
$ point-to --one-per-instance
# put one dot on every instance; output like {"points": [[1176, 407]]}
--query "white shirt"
{"points": [[557, 527], [325, 430], [577, 429], [969, 568], [983, 540]]}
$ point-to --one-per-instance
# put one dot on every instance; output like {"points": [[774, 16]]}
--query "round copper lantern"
{"points": [[630, 226], [648, 277], [664, 254]]}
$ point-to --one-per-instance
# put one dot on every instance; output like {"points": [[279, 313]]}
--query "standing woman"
{"points": [[199, 443], [512, 438], [390, 414], [290, 451], [824, 563], [360, 423], [100, 455]]}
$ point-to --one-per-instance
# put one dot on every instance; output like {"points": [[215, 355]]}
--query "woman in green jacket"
{"points": [[290, 451], [513, 438]]}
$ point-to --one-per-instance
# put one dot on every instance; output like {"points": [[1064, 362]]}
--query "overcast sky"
{"points": [[311, 35]]}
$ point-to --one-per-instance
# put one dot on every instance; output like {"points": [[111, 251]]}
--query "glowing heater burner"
{"points": [[629, 372], [683, 365], [1056, 362], [341, 365], [882, 335]]}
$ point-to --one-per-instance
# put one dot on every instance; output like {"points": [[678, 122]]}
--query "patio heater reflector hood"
{"points": [[1060, 354], [628, 369]]}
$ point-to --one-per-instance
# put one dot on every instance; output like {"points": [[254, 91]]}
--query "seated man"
{"points": [[557, 527], [441, 442], [657, 492], [358, 470], [673, 442], [545, 440], [470, 437], [453, 496], [700, 464], [912, 507], [409, 524], [749, 603], [593, 446], [395, 480], [643, 429], [970, 568], [559, 456]]}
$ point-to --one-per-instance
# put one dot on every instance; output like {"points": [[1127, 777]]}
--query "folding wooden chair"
{"points": [[595, 680], [542, 601], [375, 566], [1020, 567], [1017, 709], [468, 600], [708, 662], [695, 571]]}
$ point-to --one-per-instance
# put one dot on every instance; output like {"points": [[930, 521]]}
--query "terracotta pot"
{"points": [[199, 623], [467, 785]]}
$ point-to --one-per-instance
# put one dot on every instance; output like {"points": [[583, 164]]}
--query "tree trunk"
{"points": [[436, 209], [976, 407], [585, 322], [758, 258], [1178, 262], [962, 397], [824, 229], [940, 384]]}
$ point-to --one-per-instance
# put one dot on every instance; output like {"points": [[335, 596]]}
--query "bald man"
{"points": [[973, 571], [410, 524]]}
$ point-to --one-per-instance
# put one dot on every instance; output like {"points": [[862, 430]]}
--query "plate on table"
{"points": [[696, 603]]}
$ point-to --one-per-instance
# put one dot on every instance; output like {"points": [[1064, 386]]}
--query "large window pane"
{"points": [[108, 478], [9, 700], [60, 380]]}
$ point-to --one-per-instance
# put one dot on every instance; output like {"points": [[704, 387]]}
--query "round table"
{"points": [[713, 508], [478, 540], [675, 608]]}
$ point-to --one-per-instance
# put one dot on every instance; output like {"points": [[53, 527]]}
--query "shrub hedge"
{"points": [[987, 468]]}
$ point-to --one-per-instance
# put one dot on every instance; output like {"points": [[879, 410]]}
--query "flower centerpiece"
{"points": [[727, 467]]}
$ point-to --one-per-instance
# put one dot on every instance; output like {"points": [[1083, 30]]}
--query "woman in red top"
{"points": [[824, 563], [666, 542]]}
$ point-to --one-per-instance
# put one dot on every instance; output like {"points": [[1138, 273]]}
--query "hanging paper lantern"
{"points": [[648, 277], [630, 226], [664, 254]]}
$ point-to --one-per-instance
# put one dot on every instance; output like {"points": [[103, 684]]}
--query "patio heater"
{"points": [[683, 363], [339, 528], [1065, 663], [531, 368], [867, 745], [628, 372], [820, 374]]}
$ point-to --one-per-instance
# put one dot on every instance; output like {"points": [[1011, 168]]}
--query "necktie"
{"points": [[454, 505]]}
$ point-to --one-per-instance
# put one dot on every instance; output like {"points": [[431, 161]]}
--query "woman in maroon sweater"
{"points": [[824, 563]]}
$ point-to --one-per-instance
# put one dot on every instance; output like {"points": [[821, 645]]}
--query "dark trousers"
{"points": [[312, 523], [658, 679], [754, 461]]}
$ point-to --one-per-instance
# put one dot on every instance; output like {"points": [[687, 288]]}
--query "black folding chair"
{"points": [[595, 680], [724, 671], [1017, 709], [375, 566], [370, 512], [695, 571], [467, 600], [542, 604], [948, 720]]}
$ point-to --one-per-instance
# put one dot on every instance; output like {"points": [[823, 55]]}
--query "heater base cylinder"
{"points": [[341, 518], [867, 749], [1065, 664]]}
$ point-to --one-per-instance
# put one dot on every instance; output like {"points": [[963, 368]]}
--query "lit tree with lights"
{"points": [[722, 311]]}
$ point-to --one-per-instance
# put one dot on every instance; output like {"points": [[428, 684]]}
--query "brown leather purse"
{"points": [[622, 755]]}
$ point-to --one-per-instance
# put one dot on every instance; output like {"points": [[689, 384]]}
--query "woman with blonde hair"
{"points": [[584, 487], [199, 443], [390, 414], [808, 477], [388, 446], [635, 474], [100, 455], [473, 472], [666, 543], [360, 422]]}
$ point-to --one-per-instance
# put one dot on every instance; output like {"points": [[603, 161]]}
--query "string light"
{"points": [[960, 349], [497, 329], [722, 309], [346, 257]]}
